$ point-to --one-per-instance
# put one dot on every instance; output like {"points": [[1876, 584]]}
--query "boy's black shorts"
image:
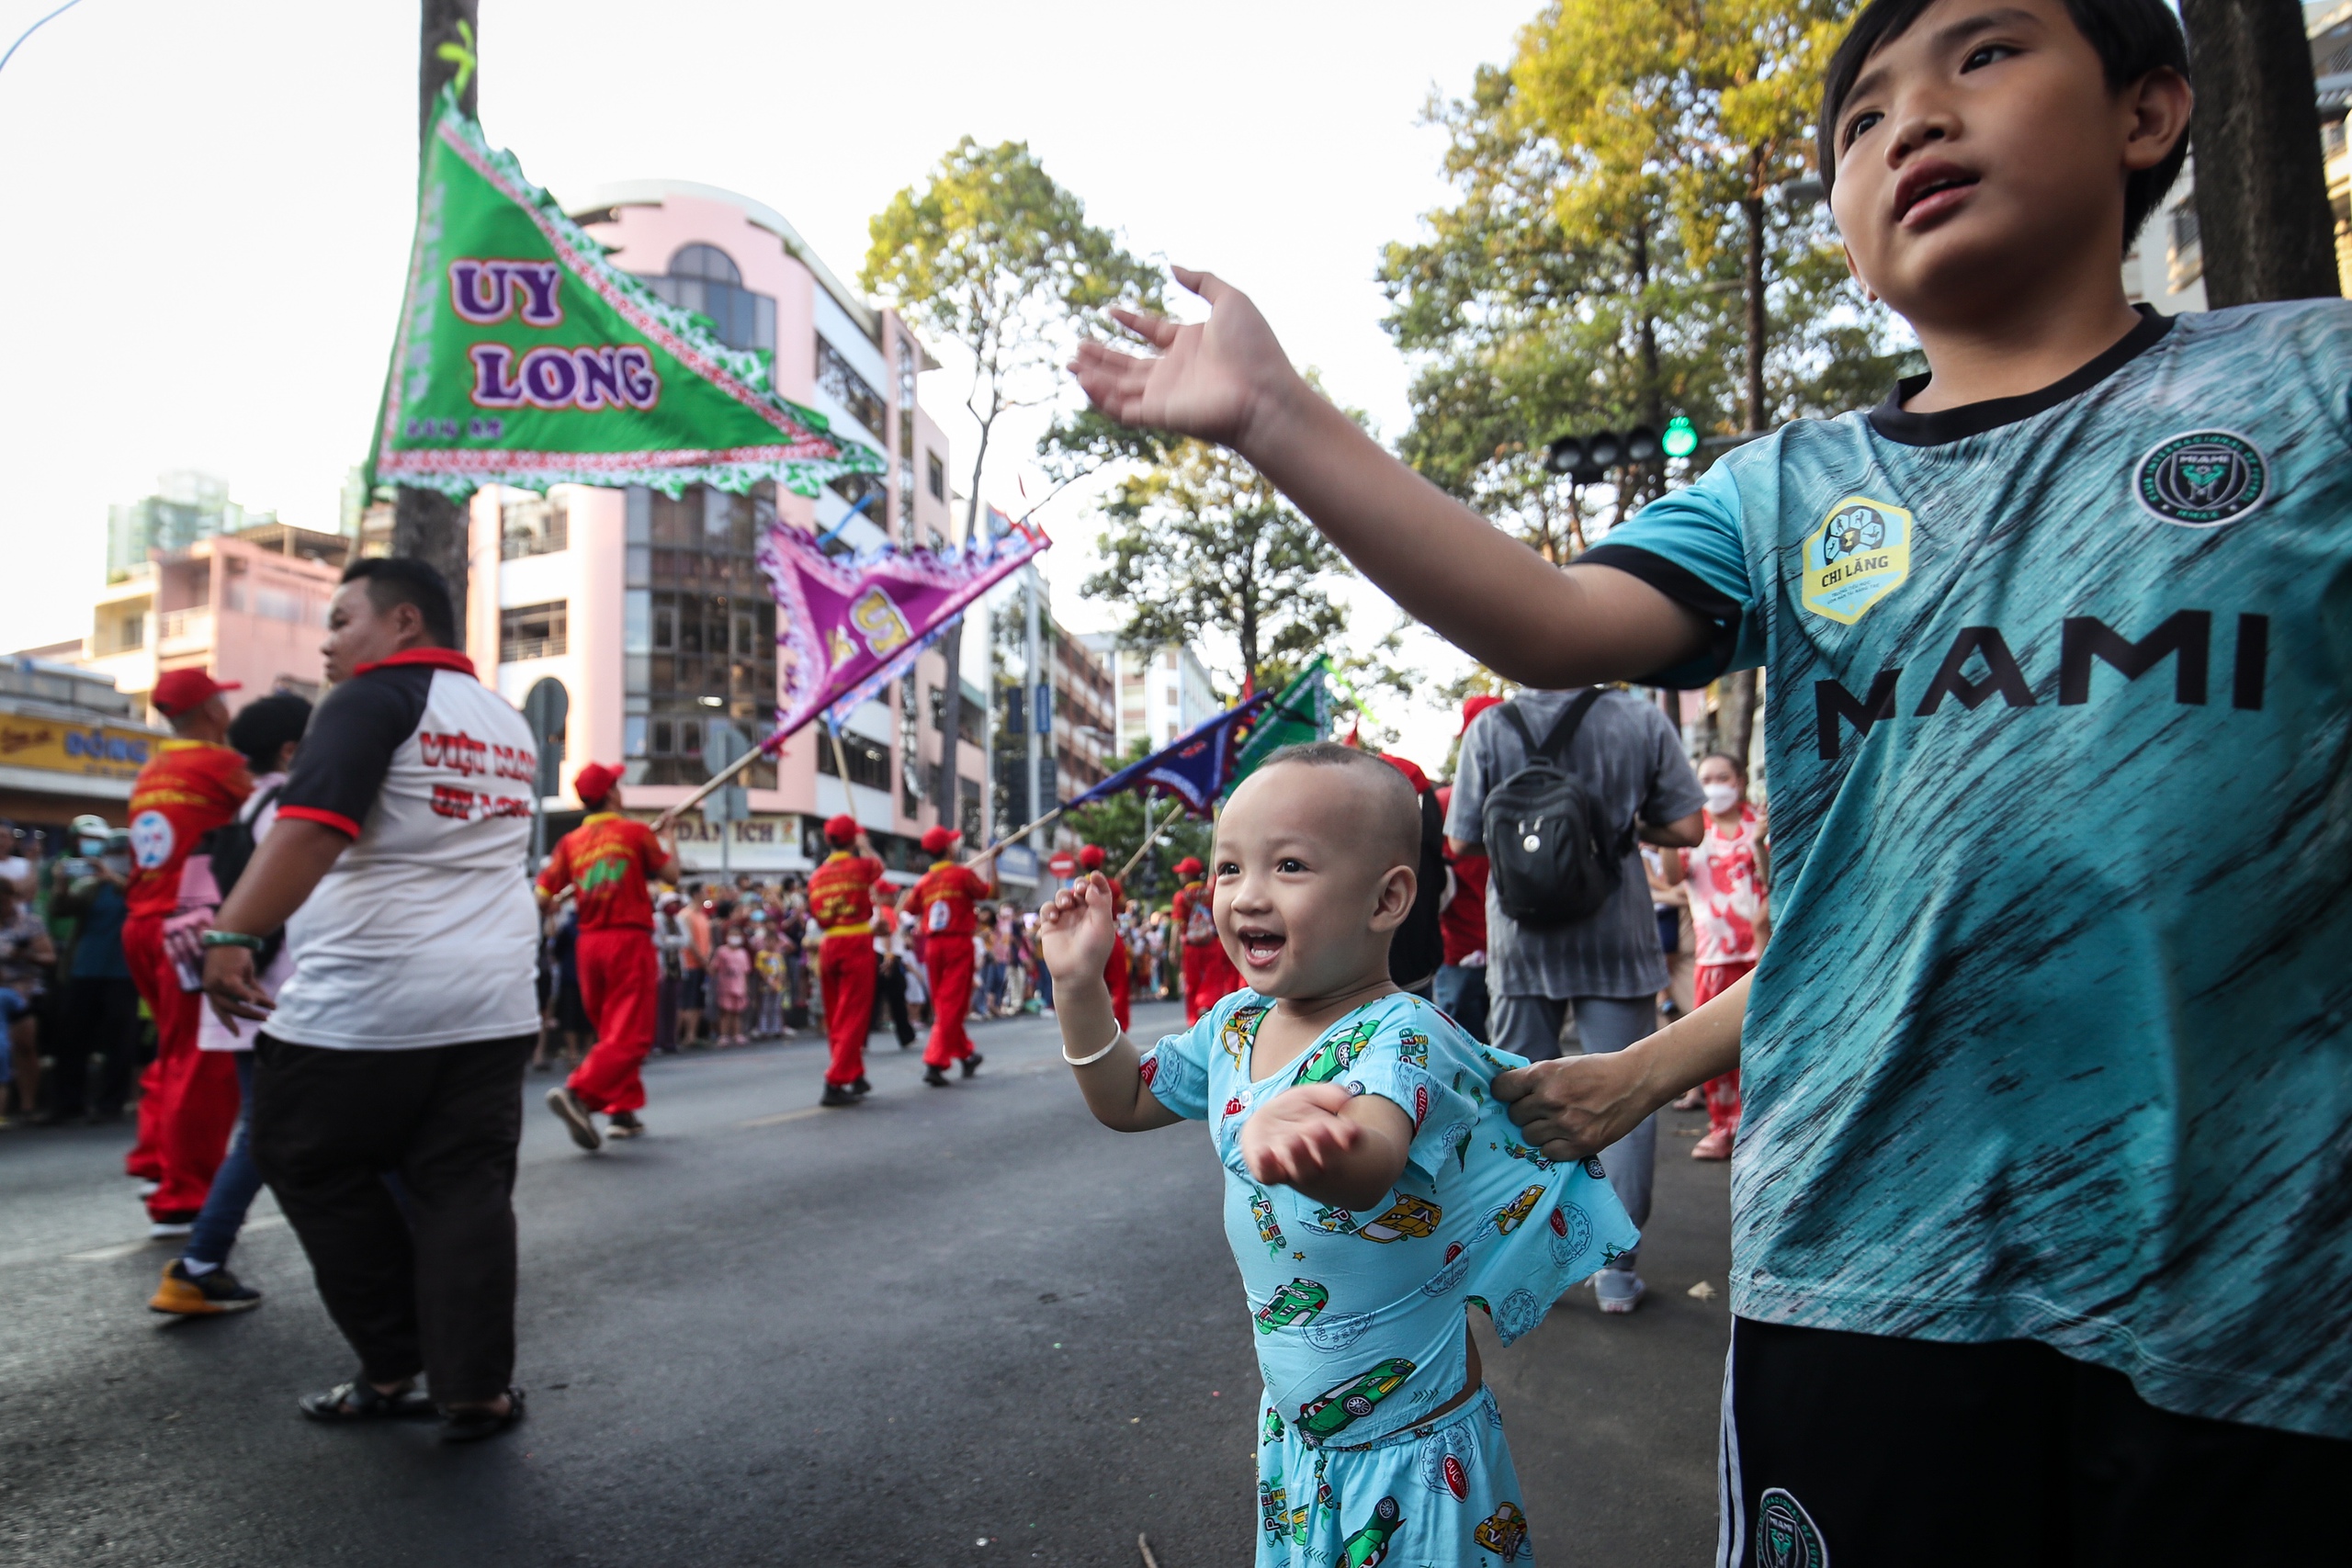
{"points": [[1859, 1451]]}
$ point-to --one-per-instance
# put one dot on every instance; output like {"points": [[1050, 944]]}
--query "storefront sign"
{"points": [[90, 751]]}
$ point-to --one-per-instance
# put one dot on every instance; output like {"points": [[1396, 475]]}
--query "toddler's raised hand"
{"points": [[1209, 380], [1301, 1136], [1075, 930]]}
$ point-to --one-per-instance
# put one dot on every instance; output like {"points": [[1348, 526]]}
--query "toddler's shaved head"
{"points": [[1383, 814]]}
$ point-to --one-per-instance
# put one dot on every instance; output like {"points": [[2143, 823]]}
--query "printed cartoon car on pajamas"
{"points": [[1352, 1401], [1299, 1301], [1513, 1214], [1337, 1055], [1503, 1532], [1239, 1030], [1368, 1546], [1407, 1216]]}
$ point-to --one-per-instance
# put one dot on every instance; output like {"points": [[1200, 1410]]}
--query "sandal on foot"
{"points": [[472, 1425], [361, 1401]]}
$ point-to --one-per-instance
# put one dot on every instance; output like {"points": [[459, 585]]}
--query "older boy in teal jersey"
{"points": [[2042, 1203]]}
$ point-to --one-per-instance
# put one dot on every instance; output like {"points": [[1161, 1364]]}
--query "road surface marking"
{"points": [[779, 1120]]}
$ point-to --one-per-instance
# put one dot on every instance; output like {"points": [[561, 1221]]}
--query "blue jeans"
{"points": [[1044, 987], [233, 1185], [1461, 996]]}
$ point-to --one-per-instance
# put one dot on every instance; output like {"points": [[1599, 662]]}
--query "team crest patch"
{"points": [[2202, 479], [1785, 1535], [1860, 554]]}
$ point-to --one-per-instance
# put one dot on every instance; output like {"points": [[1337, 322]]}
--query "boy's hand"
{"points": [[1210, 380], [1075, 931], [1301, 1136]]}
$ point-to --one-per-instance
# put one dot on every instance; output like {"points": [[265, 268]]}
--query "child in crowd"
{"points": [[1374, 1188], [1725, 878], [731, 978], [768, 960], [2042, 1164]]}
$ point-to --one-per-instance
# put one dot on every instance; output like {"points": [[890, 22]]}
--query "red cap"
{"points": [[1091, 856], [1410, 768], [842, 829], [1188, 866], [1472, 707], [936, 839], [179, 691], [595, 781]]}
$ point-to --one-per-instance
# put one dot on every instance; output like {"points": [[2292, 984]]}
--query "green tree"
{"points": [[1202, 541], [992, 253]]}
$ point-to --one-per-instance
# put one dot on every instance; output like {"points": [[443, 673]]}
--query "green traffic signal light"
{"points": [[1680, 440]]}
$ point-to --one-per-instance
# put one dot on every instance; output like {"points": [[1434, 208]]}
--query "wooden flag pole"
{"points": [[1151, 831], [716, 783]]}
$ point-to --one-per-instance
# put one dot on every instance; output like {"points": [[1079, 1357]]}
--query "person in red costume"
{"points": [[1208, 970], [946, 902], [1115, 968], [606, 861], [188, 1097], [841, 897]]}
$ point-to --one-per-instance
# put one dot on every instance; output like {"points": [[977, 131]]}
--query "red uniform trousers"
{"points": [[1209, 979], [1115, 974], [620, 976], [947, 960], [188, 1102], [1708, 982], [846, 969]]}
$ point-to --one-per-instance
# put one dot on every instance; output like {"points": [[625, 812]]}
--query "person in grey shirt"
{"points": [[1608, 965]]}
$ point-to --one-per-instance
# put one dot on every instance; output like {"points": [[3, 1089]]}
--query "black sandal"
{"points": [[473, 1426], [360, 1401]]}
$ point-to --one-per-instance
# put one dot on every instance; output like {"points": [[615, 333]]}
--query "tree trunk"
{"points": [[1736, 715], [2261, 212], [1755, 413], [427, 525], [951, 726]]}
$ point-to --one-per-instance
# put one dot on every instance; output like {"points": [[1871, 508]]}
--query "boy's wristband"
{"points": [[1116, 1036]]}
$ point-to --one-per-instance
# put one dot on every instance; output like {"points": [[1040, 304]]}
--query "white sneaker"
{"points": [[148, 1189], [1619, 1290], [163, 1230]]}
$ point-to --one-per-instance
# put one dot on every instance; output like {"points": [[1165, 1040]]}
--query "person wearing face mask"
{"points": [[100, 1016], [730, 980], [1726, 877]]}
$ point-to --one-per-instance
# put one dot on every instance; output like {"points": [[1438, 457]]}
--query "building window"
{"points": [[134, 632], [533, 631], [869, 760], [702, 644], [532, 525], [938, 476], [849, 388], [854, 487], [907, 496], [704, 279]]}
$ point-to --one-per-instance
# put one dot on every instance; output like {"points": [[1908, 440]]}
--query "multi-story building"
{"points": [[651, 611], [186, 506], [1053, 736], [1162, 692], [249, 606]]}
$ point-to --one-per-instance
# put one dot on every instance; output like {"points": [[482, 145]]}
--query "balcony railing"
{"points": [[182, 627]]}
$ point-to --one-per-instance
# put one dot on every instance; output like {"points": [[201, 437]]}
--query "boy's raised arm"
{"points": [[1227, 380], [1074, 936]]}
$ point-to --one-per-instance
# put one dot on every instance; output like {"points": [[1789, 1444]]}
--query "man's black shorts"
{"points": [[1857, 1452]]}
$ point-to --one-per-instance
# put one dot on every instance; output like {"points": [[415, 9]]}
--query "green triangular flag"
{"points": [[1302, 713], [526, 359]]}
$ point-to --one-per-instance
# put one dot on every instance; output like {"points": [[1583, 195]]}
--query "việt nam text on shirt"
{"points": [[2051, 1040]]}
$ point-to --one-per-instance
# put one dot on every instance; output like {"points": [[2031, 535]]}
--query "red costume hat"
{"points": [[1410, 768], [1090, 857], [1472, 707], [594, 783], [1188, 866], [935, 841], [178, 692], [842, 829]]}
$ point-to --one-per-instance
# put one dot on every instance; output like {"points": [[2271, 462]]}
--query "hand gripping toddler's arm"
{"points": [[1074, 935]]}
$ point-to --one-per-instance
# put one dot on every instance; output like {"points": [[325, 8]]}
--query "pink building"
{"points": [[651, 612]]}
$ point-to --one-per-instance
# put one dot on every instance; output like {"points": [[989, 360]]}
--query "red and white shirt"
{"points": [[1726, 898], [426, 932]]}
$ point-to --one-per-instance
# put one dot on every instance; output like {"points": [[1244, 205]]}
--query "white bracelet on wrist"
{"points": [[1088, 1061]]}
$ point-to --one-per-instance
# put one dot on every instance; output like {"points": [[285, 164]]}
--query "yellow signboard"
{"points": [[90, 751]]}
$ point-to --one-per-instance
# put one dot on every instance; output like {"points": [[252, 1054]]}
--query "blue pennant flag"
{"points": [[1195, 768]]}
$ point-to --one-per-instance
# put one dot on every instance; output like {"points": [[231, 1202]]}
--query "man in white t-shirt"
{"points": [[398, 1044]]}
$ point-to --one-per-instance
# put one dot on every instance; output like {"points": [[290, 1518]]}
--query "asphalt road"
{"points": [[963, 1325]]}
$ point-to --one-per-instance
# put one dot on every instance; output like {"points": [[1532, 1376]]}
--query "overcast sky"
{"points": [[208, 206]]}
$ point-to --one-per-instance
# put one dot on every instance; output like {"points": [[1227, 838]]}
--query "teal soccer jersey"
{"points": [[2050, 1040]]}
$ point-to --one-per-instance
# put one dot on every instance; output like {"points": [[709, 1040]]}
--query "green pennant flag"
{"points": [[526, 359], [1302, 713]]}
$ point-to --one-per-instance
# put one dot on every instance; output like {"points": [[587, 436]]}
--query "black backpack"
{"points": [[1554, 857], [231, 845]]}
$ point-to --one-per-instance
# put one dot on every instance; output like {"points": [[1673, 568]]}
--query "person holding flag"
{"points": [[1115, 968], [605, 863], [945, 903], [841, 900], [188, 1098], [1208, 972]]}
